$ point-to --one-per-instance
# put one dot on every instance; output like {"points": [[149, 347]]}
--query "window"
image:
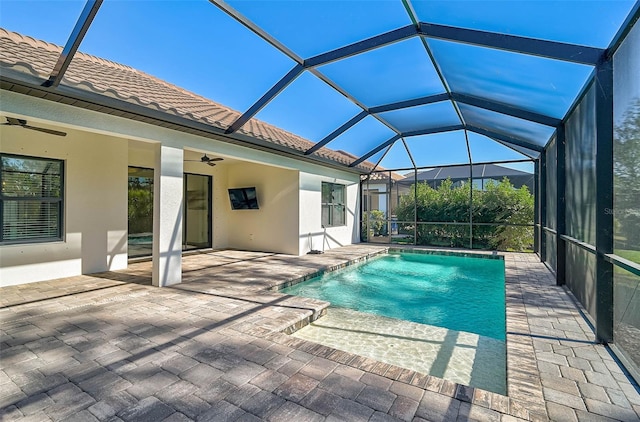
{"points": [[31, 200], [333, 209]]}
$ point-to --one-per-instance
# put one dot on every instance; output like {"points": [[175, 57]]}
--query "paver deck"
{"points": [[110, 346]]}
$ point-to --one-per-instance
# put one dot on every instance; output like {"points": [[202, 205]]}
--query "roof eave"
{"points": [[32, 86]]}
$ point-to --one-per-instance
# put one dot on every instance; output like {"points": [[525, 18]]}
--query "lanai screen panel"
{"points": [[397, 157], [580, 200], [310, 28], [551, 199], [238, 54], [392, 73], [531, 83], [580, 189], [564, 21], [484, 149], [427, 150], [308, 107], [526, 151], [362, 137], [184, 48], [424, 117], [626, 196], [626, 147], [531, 133]]}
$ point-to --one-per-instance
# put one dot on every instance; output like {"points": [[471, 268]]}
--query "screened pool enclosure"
{"points": [[404, 90]]}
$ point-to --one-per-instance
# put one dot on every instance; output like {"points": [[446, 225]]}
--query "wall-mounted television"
{"points": [[243, 198]]}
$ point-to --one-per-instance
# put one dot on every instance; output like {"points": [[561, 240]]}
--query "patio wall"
{"points": [[143, 154], [97, 152], [274, 226], [310, 212], [95, 207]]}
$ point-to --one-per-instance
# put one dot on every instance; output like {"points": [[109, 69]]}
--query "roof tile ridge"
{"points": [[37, 43], [180, 89], [143, 102], [282, 131], [16, 37], [103, 61], [324, 151], [25, 65], [275, 130], [26, 39]]}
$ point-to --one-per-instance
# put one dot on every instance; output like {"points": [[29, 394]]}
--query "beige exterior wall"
{"points": [[312, 235], [274, 226], [95, 207], [143, 154], [98, 151]]}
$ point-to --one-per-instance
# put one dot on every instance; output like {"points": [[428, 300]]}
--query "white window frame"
{"points": [[328, 220]]}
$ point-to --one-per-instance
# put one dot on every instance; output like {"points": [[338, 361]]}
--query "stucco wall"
{"points": [[95, 209], [312, 235], [98, 150], [273, 227], [143, 154]]}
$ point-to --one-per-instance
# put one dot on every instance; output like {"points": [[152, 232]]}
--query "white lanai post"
{"points": [[167, 216]]}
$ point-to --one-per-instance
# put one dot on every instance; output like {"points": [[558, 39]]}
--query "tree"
{"points": [[511, 206], [377, 223], [140, 210], [626, 173]]}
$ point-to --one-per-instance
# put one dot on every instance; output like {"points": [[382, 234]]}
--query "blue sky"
{"points": [[196, 46]]}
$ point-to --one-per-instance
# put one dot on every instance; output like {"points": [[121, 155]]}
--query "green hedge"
{"points": [[498, 203]]}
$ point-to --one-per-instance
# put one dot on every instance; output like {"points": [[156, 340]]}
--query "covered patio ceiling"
{"points": [[371, 77]]}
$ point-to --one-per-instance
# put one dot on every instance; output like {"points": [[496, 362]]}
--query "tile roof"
{"points": [[382, 175], [97, 75]]}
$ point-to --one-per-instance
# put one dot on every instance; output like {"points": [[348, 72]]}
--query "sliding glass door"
{"points": [[196, 222], [140, 212], [196, 229]]}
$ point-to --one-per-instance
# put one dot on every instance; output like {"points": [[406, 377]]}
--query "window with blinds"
{"points": [[333, 208], [31, 201]]}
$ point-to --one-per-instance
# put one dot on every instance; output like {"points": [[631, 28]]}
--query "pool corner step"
{"points": [[306, 319]]}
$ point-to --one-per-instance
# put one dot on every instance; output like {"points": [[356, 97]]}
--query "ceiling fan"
{"points": [[207, 160], [11, 121]]}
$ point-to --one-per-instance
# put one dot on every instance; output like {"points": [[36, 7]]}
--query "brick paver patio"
{"points": [[111, 347]]}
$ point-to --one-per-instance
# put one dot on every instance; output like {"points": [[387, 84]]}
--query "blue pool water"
{"points": [[453, 292]]}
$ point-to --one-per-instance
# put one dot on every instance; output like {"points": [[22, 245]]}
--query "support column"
{"points": [[168, 197], [542, 201], [561, 206], [604, 201], [415, 206], [537, 229]]}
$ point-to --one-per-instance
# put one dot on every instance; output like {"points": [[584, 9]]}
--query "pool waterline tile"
{"points": [[464, 293]]}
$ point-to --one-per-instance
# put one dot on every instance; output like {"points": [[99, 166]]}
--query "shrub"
{"points": [[499, 203]]}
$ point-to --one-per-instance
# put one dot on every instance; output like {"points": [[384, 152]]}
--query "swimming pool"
{"points": [[435, 314], [456, 292]]}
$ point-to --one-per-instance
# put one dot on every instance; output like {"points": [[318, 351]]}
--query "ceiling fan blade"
{"points": [[49, 131], [209, 163], [12, 121], [206, 160]]}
